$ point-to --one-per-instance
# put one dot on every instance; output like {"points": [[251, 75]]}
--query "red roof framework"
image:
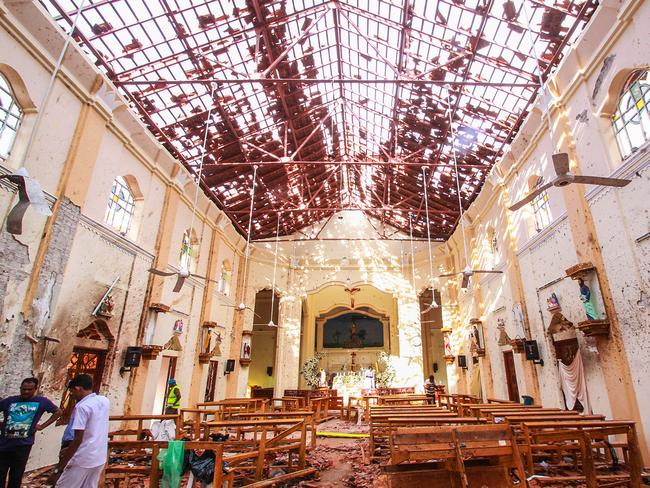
{"points": [[340, 104]]}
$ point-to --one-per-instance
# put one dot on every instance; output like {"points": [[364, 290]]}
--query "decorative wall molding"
{"points": [[116, 240]]}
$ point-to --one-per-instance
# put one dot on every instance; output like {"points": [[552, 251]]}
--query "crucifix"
{"points": [[352, 291], [353, 358]]}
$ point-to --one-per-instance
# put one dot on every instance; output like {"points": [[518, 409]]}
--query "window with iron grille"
{"points": [[121, 206], [82, 361], [10, 117], [632, 118], [541, 209]]}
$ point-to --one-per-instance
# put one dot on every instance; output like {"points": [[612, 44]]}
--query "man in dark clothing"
{"points": [[21, 414], [430, 390]]}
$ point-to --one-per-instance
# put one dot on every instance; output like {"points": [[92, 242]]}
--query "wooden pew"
{"points": [[460, 454], [231, 406], [286, 404], [307, 415], [481, 409], [403, 400], [320, 407], [380, 424], [551, 437], [363, 402], [245, 468], [191, 419]]}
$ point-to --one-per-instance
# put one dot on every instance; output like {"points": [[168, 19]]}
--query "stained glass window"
{"points": [[10, 116], [186, 251], [121, 206], [632, 118]]}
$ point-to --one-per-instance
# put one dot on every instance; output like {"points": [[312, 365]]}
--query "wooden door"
{"points": [[211, 383], [511, 376], [82, 361]]}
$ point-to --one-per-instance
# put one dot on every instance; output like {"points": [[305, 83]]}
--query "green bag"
{"points": [[173, 464]]}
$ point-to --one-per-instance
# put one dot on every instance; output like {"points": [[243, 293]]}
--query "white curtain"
{"points": [[574, 386]]}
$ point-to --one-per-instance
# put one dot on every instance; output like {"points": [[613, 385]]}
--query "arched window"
{"points": [[541, 206], [631, 120], [188, 253], [121, 206], [224, 281], [10, 117]]}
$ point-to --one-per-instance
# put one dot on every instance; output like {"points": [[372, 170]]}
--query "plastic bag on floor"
{"points": [[202, 467], [173, 464]]}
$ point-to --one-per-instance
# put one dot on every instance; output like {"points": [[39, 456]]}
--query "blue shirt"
{"points": [[20, 419]]}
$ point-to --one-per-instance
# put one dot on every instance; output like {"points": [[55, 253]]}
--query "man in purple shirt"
{"points": [[21, 414]]}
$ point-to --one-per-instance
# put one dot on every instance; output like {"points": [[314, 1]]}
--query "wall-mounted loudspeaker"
{"points": [[531, 348], [132, 357], [230, 366], [462, 361]]}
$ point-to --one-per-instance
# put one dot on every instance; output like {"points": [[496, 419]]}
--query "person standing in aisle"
{"points": [[430, 390], [82, 462], [19, 426], [173, 397]]}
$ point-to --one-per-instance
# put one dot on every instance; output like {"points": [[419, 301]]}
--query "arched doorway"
{"points": [[261, 371], [89, 351]]}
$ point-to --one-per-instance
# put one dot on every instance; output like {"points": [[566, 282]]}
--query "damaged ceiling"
{"points": [[339, 104]]}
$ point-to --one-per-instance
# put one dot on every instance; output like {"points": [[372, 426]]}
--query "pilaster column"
{"points": [[287, 362], [233, 382], [611, 349], [514, 278], [212, 278]]}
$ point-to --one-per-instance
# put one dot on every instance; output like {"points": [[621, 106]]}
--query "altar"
{"points": [[350, 340]]}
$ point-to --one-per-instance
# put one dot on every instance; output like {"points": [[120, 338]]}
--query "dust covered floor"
{"points": [[343, 462]]}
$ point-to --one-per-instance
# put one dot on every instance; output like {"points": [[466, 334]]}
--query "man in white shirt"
{"points": [[82, 462]]}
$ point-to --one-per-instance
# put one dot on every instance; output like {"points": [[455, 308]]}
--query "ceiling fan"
{"points": [[184, 272], [29, 193], [565, 177], [242, 306], [560, 160], [275, 267], [433, 303], [181, 275], [468, 272]]}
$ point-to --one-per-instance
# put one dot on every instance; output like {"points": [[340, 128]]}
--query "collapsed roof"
{"points": [[334, 104]]}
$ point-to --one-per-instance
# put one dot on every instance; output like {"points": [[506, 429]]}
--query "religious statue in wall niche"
{"points": [[587, 303], [246, 350], [107, 306], [476, 340], [552, 303], [447, 345], [503, 338]]}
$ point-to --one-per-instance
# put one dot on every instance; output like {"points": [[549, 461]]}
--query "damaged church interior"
{"points": [[324, 243]]}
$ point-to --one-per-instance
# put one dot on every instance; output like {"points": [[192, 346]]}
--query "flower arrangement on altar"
{"points": [[384, 370], [310, 370]]}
